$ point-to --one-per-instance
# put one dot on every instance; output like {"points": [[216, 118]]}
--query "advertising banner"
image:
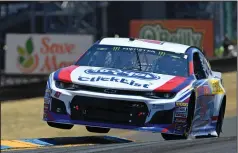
{"points": [[189, 32], [43, 54]]}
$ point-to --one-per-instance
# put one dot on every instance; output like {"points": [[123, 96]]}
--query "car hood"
{"points": [[120, 79]]}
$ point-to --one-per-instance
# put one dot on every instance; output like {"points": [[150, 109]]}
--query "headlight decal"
{"points": [[160, 95], [67, 86]]}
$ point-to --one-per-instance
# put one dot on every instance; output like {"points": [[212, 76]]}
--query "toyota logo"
{"points": [[110, 91]]}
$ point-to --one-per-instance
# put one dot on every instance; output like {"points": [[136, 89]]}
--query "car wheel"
{"points": [[97, 129], [220, 119], [60, 126], [172, 136], [191, 108]]}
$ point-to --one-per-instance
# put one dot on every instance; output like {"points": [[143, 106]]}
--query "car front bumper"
{"points": [[114, 111]]}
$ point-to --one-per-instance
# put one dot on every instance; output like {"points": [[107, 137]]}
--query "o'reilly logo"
{"points": [[185, 36]]}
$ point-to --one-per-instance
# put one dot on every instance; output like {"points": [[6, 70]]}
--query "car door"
{"points": [[216, 88], [204, 107]]}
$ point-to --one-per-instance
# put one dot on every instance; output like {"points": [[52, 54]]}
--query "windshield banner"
{"points": [[189, 32], [43, 54]]}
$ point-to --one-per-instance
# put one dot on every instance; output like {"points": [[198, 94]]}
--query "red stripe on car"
{"points": [[171, 84], [64, 74]]}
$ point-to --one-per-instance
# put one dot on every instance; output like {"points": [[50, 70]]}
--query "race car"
{"points": [[138, 84]]}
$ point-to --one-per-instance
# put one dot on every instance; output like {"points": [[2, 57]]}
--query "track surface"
{"points": [[152, 142]]}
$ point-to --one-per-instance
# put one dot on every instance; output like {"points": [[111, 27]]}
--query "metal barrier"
{"points": [[224, 64]]}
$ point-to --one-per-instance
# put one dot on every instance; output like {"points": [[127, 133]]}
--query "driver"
{"points": [[167, 65]]}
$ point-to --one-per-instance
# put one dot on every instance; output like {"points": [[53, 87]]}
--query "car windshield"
{"points": [[133, 58]]}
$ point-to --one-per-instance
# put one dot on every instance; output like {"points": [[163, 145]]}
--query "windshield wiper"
{"points": [[131, 68], [138, 59]]}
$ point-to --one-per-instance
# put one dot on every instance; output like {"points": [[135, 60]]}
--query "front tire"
{"points": [[172, 136], [220, 119], [60, 126], [191, 108], [97, 129]]}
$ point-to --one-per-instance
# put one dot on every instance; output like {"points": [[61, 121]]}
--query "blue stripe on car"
{"points": [[48, 82], [183, 85], [56, 74], [184, 96]]}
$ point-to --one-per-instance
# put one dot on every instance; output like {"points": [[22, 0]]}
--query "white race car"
{"points": [[138, 84]]}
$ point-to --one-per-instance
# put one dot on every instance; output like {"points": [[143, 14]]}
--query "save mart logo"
{"points": [[27, 59]]}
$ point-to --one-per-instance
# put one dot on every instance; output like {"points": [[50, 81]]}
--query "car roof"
{"points": [[145, 43]]}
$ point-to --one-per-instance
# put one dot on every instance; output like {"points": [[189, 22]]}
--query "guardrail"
{"points": [[224, 64]]}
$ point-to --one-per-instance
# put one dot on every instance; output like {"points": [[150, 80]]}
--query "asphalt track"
{"points": [[153, 143]]}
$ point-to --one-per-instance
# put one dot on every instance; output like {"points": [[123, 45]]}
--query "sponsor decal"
{"points": [[203, 90], [46, 106], [116, 48], [47, 93], [110, 91], [48, 90], [57, 94], [143, 50], [47, 100], [114, 79], [216, 87], [153, 41], [181, 115], [181, 109], [45, 115], [101, 48], [137, 49], [180, 120], [180, 104], [123, 73]]}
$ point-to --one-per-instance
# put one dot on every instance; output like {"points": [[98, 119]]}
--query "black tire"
{"points": [[191, 108], [97, 129], [173, 136], [60, 126], [220, 119]]}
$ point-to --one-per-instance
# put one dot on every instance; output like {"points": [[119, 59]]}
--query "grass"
{"points": [[230, 86], [23, 118]]}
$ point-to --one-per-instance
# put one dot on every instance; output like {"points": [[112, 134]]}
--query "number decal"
{"points": [[206, 90]]}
